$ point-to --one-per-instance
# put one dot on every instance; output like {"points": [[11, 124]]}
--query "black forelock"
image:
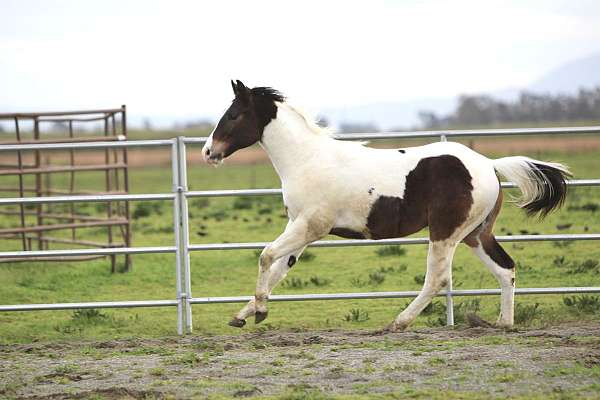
{"points": [[268, 93]]}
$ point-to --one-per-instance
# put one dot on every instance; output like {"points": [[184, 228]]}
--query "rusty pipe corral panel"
{"points": [[46, 173]]}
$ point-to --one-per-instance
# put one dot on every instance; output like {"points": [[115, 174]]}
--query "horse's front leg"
{"points": [[277, 273], [296, 236]]}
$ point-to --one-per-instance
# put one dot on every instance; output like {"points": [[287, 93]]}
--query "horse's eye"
{"points": [[232, 116]]}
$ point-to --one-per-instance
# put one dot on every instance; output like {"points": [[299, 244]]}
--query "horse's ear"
{"points": [[241, 90], [240, 85], [234, 87]]}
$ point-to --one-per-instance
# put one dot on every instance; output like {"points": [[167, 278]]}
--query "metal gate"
{"points": [[182, 247]]}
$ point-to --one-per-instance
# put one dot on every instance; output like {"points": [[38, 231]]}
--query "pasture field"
{"points": [[219, 273]]}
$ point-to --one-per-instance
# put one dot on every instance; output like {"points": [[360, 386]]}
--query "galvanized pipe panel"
{"points": [[94, 304], [87, 145], [401, 241], [86, 198], [393, 295], [87, 252]]}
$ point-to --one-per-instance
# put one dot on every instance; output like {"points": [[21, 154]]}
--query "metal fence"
{"points": [[181, 247]]}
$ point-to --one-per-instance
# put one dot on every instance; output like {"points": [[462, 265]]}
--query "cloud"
{"points": [[176, 57]]}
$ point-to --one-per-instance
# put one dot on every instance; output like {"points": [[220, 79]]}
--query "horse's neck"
{"points": [[290, 143]]}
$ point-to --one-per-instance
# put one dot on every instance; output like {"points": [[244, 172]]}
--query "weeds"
{"points": [[315, 280], [386, 251], [357, 282], [589, 206], [243, 203], [376, 278], [158, 371], [526, 313], [297, 283], [562, 244], [559, 261], [308, 256], [145, 209], [583, 303], [399, 268], [65, 369], [89, 316], [584, 266], [420, 279], [189, 359], [294, 283], [356, 315], [200, 203]]}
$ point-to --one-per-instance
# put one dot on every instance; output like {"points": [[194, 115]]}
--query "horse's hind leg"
{"points": [[277, 273], [502, 267], [439, 260], [484, 245]]}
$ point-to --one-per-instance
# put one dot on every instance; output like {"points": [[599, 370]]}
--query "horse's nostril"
{"points": [[208, 152]]}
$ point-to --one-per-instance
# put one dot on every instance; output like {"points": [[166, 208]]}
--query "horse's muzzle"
{"points": [[211, 157]]}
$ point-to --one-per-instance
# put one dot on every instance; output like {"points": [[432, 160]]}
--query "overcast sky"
{"points": [[175, 58]]}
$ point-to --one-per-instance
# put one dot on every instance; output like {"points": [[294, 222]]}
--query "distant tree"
{"points": [[199, 125], [430, 120], [147, 124], [529, 107]]}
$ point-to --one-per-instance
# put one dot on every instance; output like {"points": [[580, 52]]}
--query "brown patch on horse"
{"points": [[437, 194], [483, 234], [347, 233]]}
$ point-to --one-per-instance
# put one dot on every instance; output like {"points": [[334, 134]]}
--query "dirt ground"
{"points": [[561, 362]]}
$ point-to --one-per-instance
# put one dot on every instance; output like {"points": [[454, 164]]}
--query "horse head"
{"points": [[243, 123]]}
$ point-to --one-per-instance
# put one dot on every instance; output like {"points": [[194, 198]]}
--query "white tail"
{"points": [[542, 184]]}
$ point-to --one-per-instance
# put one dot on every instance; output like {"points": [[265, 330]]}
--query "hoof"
{"points": [[260, 316], [394, 327], [237, 323]]}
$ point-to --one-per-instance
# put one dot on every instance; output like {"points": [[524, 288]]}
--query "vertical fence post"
{"points": [[449, 299], [177, 232], [185, 231]]}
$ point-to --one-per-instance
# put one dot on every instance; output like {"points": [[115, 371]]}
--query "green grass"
{"points": [[230, 273]]}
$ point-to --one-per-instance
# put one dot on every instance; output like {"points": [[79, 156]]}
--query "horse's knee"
{"points": [[266, 259]]}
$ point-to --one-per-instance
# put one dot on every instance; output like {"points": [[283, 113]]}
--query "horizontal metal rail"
{"points": [[261, 245], [392, 295], [291, 297], [63, 168], [399, 241], [348, 136], [200, 193], [93, 304], [59, 113], [87, 145], [86, 199], [87, 252], [469, 133], [266, 192]]}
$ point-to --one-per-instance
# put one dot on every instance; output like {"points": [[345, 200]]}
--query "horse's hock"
{"points": [[42, 173]]}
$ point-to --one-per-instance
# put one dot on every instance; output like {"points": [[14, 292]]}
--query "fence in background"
{"points": [[181, 247], [66, 127]]}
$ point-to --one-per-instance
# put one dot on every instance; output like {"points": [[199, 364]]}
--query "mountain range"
{"points": [[566, 79]]}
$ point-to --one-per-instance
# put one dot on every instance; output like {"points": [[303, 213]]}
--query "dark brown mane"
{"points": [[268, 93]]}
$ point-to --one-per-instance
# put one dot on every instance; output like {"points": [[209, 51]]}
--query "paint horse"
{"points": [[353, 191]]}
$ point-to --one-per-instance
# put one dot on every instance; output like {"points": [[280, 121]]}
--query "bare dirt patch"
{"points": [[475, 362]]}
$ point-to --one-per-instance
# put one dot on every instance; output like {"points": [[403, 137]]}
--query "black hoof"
{"points": [[237, 323], [260, 317]]}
